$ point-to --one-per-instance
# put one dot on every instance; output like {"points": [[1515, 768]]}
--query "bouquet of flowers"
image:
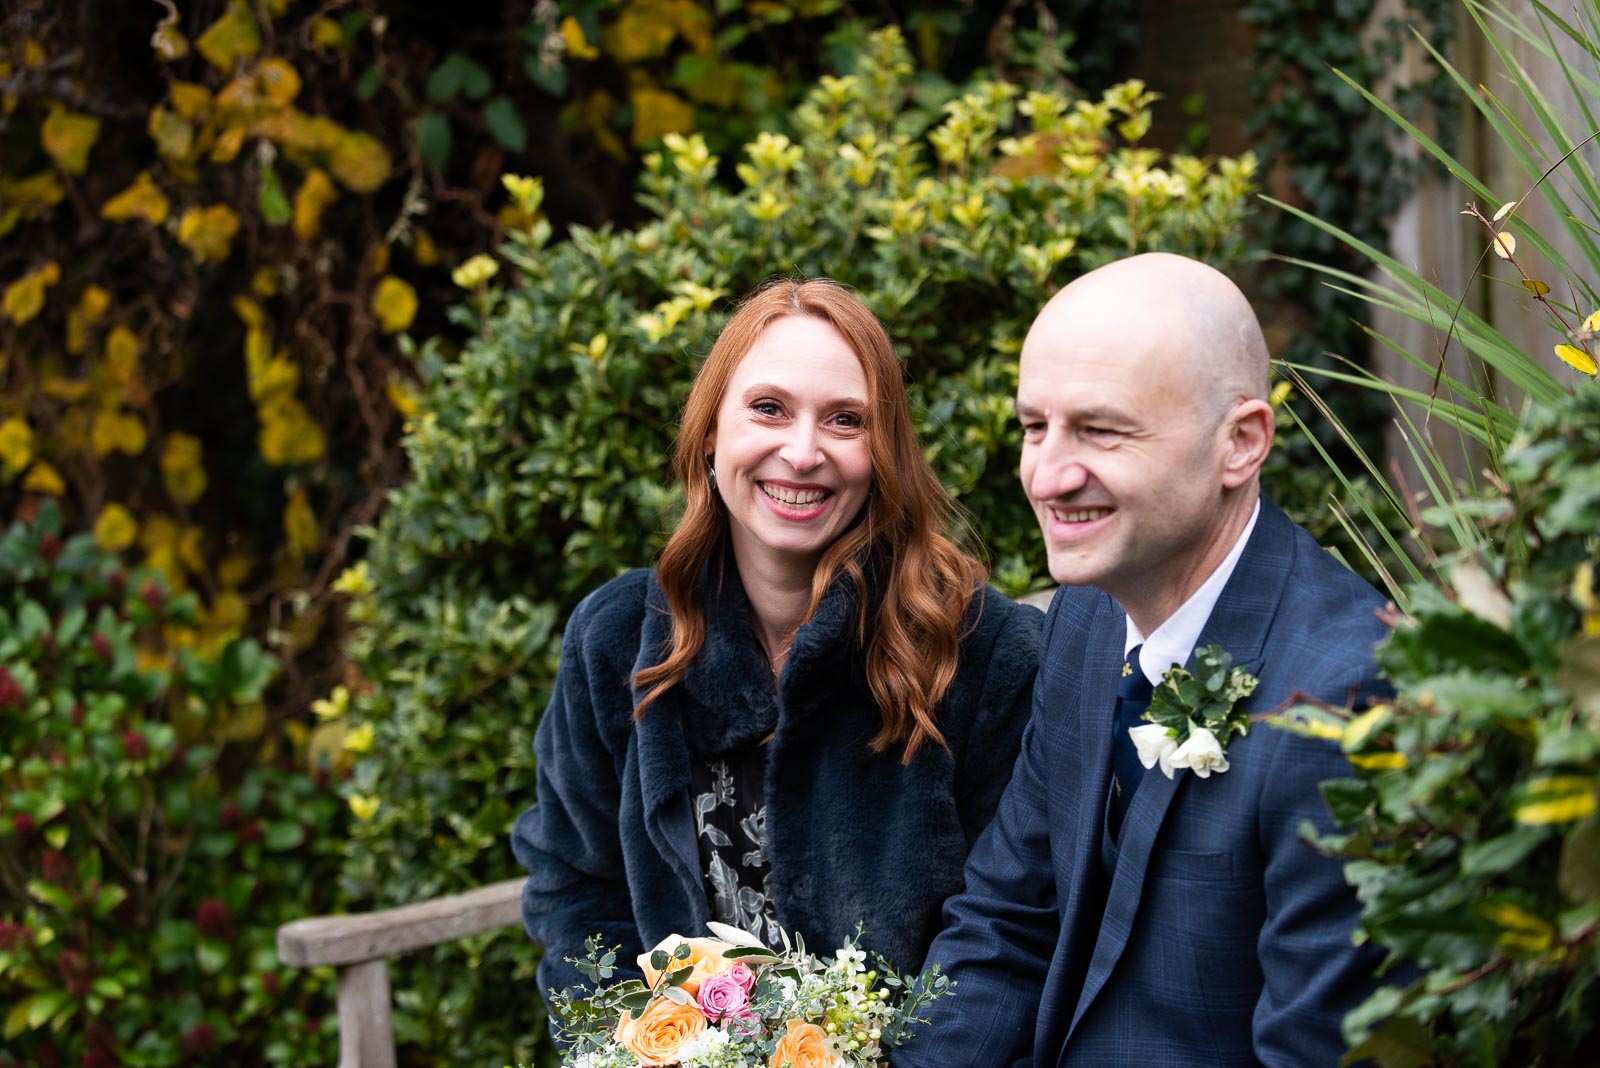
{"points": [[730, 1002]]}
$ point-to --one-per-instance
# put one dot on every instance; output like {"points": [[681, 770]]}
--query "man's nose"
{"points": [[801, 448], [1057, 471]]}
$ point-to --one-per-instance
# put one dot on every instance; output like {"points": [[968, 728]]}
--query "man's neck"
{"points": [[1152, 605]]}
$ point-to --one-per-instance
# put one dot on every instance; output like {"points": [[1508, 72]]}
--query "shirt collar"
{"points": [[1174, 639]]}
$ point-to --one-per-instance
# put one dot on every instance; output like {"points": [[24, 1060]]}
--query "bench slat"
{"points": [[366, 936]]}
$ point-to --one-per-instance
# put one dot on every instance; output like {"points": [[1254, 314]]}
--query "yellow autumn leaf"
{"points": [[1577, 358], [657, 112], [1505, 245], [578, 46], [364, 807], [228, 612], [325, 33], [208, 232], [116, 431], [1504, 210], [16, 445], [94, 302], [1577, 805], [181, 469], [228, 143], [310, 201], [168, 41], [141, 200], [288, 436], [402, 400], [1592, 322], [1377, 761], [44, 479], [360, 162], [642, 31], [174, 137], [232, 37], [24, 298], [300, 523], [264, 283], [377, 259], [249, 312], [115, 529], [475, 271], [68, 137], [190, 100], [235, 568], [359, 740], [423, 249], [394, 303], [122, 355], [32, 194], [278, 82], [336, 704], [1518, 927]]}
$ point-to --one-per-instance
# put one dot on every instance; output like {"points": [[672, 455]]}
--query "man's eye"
{"points": [[1033, 428]]}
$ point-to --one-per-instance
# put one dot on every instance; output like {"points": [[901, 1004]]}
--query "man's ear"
{"points": [[1251, 425]]}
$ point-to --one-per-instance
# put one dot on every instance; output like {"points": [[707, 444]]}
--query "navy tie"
{"points": [[1133, 697]]}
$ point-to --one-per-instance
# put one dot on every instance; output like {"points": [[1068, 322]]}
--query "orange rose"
{"points": [[656, 1035], [805, 1046], [705, 957]]}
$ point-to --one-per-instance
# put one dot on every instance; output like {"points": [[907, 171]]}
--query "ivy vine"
{"points": [[1339, 152]]}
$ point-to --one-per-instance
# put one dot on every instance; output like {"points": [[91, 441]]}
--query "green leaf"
{"points": [[368, 84], [283, 835], [1500, 854], [433, 139], [551, 77], [274, 204], [50, 894], [505, 125], [34, 1012], [212, 955], [1579, 873], [1347, 799]]}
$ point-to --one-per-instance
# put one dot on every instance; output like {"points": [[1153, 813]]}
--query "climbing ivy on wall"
{"points": [[1327, 151]]}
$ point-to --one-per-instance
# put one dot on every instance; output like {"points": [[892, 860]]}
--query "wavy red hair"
{"points": [[913, 639]]}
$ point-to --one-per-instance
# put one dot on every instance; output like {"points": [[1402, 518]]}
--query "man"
{"points": [[1114, 915]]}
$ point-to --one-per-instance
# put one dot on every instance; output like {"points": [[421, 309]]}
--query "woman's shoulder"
{"points": [[995, 619], [613, 611]]}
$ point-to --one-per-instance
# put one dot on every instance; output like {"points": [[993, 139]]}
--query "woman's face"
{"points": [[790, 446]]}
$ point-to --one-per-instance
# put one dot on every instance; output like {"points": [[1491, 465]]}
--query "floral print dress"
{"points": [[728, 791]]}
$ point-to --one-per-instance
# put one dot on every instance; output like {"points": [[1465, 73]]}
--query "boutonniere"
{"points": [[1193, 717]]}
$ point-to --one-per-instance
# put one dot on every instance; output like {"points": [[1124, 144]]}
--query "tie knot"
{"points": [[1133, 686]]}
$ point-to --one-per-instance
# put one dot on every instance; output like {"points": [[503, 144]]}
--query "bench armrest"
{"points": [[365, 936]]}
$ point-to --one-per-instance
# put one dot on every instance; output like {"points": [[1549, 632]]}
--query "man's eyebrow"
{"points": [[1028, 410]]}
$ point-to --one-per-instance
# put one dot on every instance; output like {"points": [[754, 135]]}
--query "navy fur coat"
{"points": [[854, 836]]}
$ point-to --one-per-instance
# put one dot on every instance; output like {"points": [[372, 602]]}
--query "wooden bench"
{"points": [[360, 945]]}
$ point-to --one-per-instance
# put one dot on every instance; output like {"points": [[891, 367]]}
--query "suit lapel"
{"points": [[1239, 623]]}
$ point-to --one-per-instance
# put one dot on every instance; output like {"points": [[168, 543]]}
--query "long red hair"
{"points": [[913, 639]]}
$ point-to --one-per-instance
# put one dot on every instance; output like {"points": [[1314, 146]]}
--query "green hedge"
{"points": [[540, 457]]}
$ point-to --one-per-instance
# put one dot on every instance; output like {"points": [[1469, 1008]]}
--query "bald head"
{"points": [[1193, 312]]}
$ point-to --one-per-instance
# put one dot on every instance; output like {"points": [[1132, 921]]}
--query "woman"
{"points": [[806, 713]]}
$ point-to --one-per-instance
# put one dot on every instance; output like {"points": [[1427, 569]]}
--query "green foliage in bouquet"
{"points": [[540, 457], [144, 861]]}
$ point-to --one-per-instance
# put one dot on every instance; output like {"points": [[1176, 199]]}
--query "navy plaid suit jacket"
{"points": [[1224, 939]]}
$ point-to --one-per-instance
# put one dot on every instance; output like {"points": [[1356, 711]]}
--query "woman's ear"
{"points": [[1251, 426]]}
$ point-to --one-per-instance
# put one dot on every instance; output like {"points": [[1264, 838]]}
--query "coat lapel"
{"points": [[1239, 623]]}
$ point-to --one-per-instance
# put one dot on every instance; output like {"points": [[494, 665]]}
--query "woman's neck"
{"points": [[779, 599]]}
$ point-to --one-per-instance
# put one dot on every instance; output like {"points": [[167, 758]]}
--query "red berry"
{"points": [[11, 934], [50, 549], [117, 583], [134, 745], [270, 983], [11, 695], [250, 833], [75, 971], [23, 824], [101, 646], [150, 593], [230, 816], [198, 1040], [96, 1059], [214, 919], [78, 712], [56, 868]]}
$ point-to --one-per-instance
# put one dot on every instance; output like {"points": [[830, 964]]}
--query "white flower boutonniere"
{"points": [[1193, 717]]}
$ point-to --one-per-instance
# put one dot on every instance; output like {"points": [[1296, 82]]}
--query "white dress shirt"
{"points": [[1174, 639]]}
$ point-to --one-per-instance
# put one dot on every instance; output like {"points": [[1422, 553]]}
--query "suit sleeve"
{"points": [[991, 749], [1000, 931], [569, 840], [1313, 971]]}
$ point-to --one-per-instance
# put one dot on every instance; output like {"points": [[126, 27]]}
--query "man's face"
{"points": [[1122, 459]]}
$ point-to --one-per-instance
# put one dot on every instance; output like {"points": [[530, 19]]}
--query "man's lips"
{"points": [[1077, 513]]}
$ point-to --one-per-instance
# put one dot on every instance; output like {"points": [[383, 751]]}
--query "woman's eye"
{"points": [[848, 420], [766, 407]]}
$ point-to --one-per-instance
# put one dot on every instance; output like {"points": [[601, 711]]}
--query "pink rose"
{"points": [[726, 993]]}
